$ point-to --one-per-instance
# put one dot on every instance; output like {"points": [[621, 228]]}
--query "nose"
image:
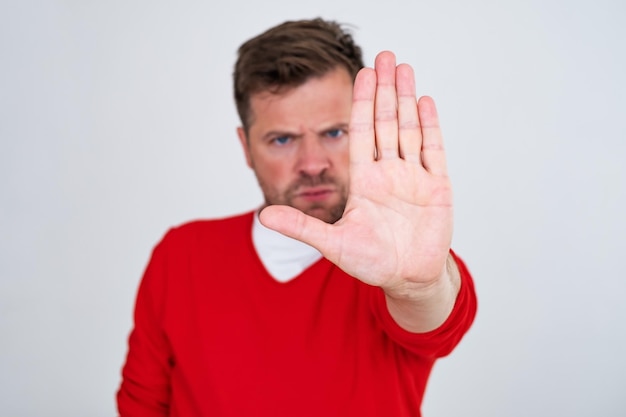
{"points": [[313, 157]]}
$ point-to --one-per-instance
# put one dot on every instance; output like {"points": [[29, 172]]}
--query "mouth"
{"points": [[315, 193]]}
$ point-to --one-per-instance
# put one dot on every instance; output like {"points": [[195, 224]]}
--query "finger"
{"points": [[433, 153], [362, 142], [410, 134], [386, 106], [295, 224]]}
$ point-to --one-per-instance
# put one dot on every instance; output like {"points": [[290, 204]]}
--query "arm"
{"points": [[396, 230], [145, 387]]}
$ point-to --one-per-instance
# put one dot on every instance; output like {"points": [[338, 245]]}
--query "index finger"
{"points": [[362, 141]]}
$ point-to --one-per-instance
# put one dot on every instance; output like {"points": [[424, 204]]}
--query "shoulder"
{"points": [[203, 227], [204, 240]]}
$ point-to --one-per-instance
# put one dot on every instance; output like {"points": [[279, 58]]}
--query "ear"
{"points": [[245, 144]]}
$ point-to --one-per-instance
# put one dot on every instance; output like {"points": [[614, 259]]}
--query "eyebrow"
{"points": [[342, 126], [278, 133]]}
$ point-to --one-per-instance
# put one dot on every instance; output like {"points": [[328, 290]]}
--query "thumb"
{"points": [[295, 224]]}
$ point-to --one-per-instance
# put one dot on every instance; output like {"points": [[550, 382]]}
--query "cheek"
{"points": [[273, 174], [342, 162]]}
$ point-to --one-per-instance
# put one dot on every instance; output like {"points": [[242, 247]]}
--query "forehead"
{"points": [[325, 99]]}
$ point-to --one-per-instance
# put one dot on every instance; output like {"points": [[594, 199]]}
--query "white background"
{"points": [[117, 122]]}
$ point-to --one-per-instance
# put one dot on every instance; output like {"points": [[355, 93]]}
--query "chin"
{"points": [[328, 215]]}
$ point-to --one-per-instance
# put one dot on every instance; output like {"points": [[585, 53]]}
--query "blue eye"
{"points": [[281, 140], [335, 133]]}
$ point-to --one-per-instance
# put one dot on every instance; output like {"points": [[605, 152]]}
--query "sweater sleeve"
{"points": [[442, 340], [145, 388]]}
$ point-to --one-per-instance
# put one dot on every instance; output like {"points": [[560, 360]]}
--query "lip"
{"points": [[315, 193]]}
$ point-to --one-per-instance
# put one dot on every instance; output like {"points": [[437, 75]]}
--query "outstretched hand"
{"points": [[396, 229]]}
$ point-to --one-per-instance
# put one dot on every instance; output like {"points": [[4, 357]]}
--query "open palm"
{"points": [[397, 226]]}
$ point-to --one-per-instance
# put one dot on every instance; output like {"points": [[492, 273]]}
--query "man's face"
{"points": [[297, 145]]}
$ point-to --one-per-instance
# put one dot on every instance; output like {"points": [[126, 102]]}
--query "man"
{"points": [[343, 312]]}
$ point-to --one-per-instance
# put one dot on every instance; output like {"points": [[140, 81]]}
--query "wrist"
{"points": [[421, 307]]}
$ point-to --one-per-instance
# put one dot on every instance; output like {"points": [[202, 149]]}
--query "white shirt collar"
{"points": [[283, 257]]}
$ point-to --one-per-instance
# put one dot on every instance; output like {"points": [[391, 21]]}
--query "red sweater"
{"points": [[216, 335]]}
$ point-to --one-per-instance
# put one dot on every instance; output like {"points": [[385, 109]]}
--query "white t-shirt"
{"points": [[283, 257]]}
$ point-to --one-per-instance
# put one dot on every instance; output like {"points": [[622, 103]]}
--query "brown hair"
{"points": [[288, 55]]}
